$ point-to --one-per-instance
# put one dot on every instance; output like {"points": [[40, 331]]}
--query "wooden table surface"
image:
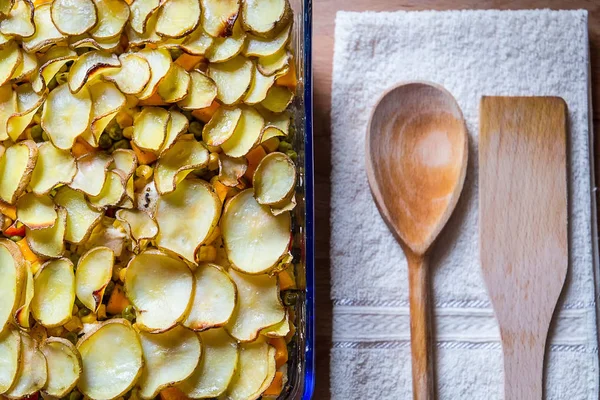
{"points": [[323, 27]]}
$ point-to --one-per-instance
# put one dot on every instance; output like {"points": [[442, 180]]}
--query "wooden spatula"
{"points": [[523, 227]]}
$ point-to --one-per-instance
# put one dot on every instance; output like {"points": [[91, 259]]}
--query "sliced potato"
{"points": [[134, 74], [65, 115], [198, 42], [280, 329], [177, 125], [259, 88], [160, 63], [32, 373], [232, 78], [254, 239], [22, 313], [219, 16], [8, 106], [221, 126], [177, 18], [107, 101], [231, 169], [111, 356], [270, 132], [125, 161], [202, 92], [275, 64], [258, 305], [214, 298], [81, 218], [150, 128], [216, 368], [45, 34], [16, 165], [112, 192], [5, 6], [261, 47], [86, 41], [64, 366], [10, 357], [184, 155], [51, 62], [49, 242], [246, 133], [10, 58], [271, 370], [141, 10], [146, 199], [169, 358], [112, 17], [88, 64], [107, 234], [28, 102], [252, 371], [160, 288], [91, 173], [285, 206], [138, 224], [186, 217], [36, 212], [278, 99], [176, 84], [28, 65], [94, 271], [265, 17], [14, 278], [74, 17], [53, 167], [224, 49], [274, 179], [54, 293], [19, 21]]}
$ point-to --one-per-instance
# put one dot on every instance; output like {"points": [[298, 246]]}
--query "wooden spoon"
{"points": [[523, 227], [416, 164]]}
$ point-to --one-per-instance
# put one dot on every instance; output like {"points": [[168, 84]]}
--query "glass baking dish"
{"points": [[301, 364]]}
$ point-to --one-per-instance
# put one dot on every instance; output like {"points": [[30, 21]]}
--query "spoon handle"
{"points": [[420, 327]]}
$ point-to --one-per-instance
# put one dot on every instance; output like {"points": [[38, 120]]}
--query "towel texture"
{"points": [[470, 53]]}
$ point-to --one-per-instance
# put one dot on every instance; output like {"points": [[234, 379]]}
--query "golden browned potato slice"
{"points": [[265, 17], [148, 37], [65, 115], [88, 64], [246, 134], [253, 370], [186, 217], [280, 329], [224, 49], [177, 125], [278, 99], [22, 313], [16, 165], [138, 224], [274, 179], [85, 41], [24, 71], [10, 58], [285, 206], [112, 17], [112, 192], [28, 102], [10, 357], [275, 64], [177, 18], [214, 298], [45, 34], [74, 17], [232, 78], [219, 16], [19, 21], [5, 6], [202, 92], [197, 42], [32, 373], [259, 88], [107, 101], [49, 242], [91, 173], [221, 126], [13, 271], [81, 217], [176, 84], [8, 106], [54, 293], [216, 368], [254, 239], [150, 128], [169, 358], [94, 271], [111, 356], [125, 161], [64, 366], [184, 155], [262, 47], [141, 10], [36, 212], [231, 169], [160, 63], [51, 62], [277, 125], [134, 74], [160, 288]]}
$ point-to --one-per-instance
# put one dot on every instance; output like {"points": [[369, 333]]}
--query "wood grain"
{"points": [[523, 227], [416, 161], [323, 38]]}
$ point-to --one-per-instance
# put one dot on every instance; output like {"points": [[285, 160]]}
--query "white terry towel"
{"points": [[470, 53]]}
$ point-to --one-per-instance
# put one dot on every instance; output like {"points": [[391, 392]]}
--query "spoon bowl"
{"points": [[416, 159]]}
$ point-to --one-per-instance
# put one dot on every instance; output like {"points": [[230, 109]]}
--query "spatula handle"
{"points": [[523, 365], [420, 327]]}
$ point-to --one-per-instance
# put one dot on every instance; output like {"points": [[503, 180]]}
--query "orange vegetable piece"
{"points": [[144, 157], [281, 352], [117, 301], [188, 61], [276, 386], [205, 114], [254, 158], [172, 393], [220, 189], [26, 251], [15, 229], [289, 79], [8, 209], [81, 148], [286, 280], [154, 100], [40, 2]]}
